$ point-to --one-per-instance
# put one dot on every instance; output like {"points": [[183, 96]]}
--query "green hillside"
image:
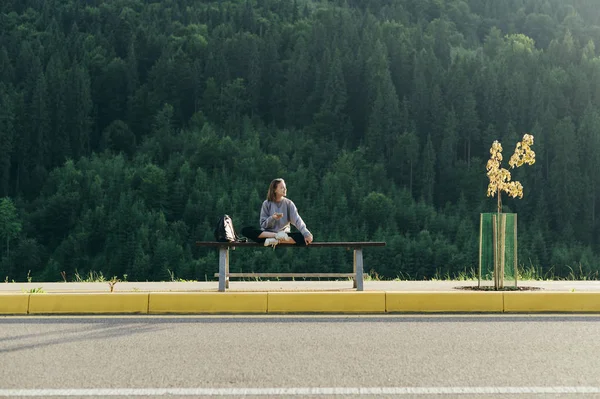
{"points": [[128, 127]]}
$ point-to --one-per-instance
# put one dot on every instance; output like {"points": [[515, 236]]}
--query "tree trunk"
{"points": [[502, 247], [499, 203], [499, 247], [469, 154], [593, 205], [495, 241], [411, 178], [17, 179]]}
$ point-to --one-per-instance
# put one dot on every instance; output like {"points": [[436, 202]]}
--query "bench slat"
{"points": [[352, 244], [289, 275]]}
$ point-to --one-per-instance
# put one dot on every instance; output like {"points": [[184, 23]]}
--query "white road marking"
{"points": [[298, 391]]}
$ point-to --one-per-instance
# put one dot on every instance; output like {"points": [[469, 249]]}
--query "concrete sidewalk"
{"points": [[292, 286]]}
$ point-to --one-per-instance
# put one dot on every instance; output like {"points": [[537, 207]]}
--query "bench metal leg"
{"points": [[223, 268], [358, 269], [227, 269]]}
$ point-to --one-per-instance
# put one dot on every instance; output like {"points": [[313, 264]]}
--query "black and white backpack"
{"points": [[225, 232]]}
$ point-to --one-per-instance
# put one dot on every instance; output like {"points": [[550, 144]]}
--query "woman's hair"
{"points": [[272, 187]]}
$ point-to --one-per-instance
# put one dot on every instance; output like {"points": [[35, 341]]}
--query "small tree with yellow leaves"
{"points": [[500, 180]]}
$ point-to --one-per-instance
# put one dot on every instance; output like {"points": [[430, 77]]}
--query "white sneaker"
{"points": [[282, 236], [271, 242]]}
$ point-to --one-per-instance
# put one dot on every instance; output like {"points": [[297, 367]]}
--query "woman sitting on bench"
{"points": [[276, 215]]}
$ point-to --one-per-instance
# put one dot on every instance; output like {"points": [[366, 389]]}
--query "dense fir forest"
{"points": [[127, 127]]}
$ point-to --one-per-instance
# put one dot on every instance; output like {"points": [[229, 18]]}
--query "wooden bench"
{"points": [[224, 275]]}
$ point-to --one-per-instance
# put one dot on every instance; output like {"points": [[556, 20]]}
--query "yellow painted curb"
{"points": [[421, 301], [109, 302], [552, 301], [14, 303], [208, 302], [326, 302]]}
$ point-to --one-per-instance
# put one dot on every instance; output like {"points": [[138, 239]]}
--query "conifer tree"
{"points": [[39, 126], [7, 138], [10, 225], [384, 114], [80, 106], [427, 171], [332, 120], [60, 145]]}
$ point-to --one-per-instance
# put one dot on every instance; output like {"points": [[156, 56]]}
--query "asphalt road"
{"points": [[394, 355]]}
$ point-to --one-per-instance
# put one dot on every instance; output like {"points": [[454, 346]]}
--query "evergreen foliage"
{"points": [[128, 127]]}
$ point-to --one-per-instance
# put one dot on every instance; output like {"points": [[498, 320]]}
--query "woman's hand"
{"points": [[277, 216], [308, 239]]}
